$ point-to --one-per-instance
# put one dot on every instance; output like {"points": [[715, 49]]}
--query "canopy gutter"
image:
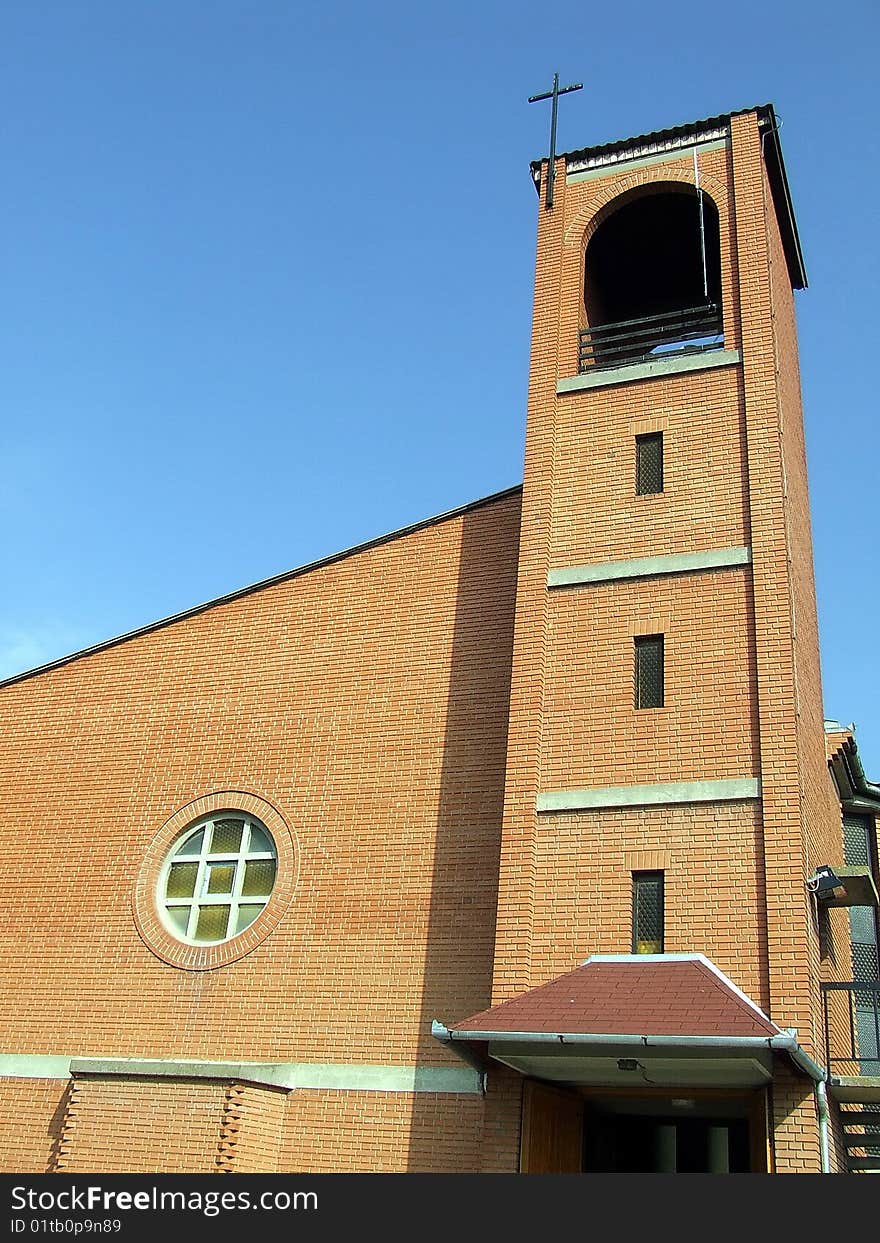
{"points": [[784, 1042]]}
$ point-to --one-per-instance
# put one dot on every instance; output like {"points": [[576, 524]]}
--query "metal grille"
{"points": [[647, 912], [649, 463], [866, 1006], [649, 671], [862, 926], [865, 956], [856, 841], [864, 959]]}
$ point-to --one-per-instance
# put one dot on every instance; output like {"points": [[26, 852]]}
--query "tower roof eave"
{"points": [[694, 131]]}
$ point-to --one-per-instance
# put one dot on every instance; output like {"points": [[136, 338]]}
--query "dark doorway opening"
{"points": [[569, 1129], [648, 1145]]}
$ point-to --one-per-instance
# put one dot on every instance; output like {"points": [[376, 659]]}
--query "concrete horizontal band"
{"points": [[662, 793], [604, 377], [613, 167], [33, 1066], [649, 567], [335, 1076]]}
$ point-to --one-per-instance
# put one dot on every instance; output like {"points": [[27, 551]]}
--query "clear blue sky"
{"points": [[267, 279]]}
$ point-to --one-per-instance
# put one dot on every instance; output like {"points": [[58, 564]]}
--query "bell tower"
{"points": [[667, 788]]}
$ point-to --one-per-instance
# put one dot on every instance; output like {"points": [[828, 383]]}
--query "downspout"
{"points": [[468, 1055], [822, 1111], [820, 1090]]}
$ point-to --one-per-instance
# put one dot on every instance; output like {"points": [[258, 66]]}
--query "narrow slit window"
{"points": [[649, 464], [647, 913], [649, 671]]}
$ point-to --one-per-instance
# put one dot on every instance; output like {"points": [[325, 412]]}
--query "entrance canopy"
{"points": [[629, 1020]]}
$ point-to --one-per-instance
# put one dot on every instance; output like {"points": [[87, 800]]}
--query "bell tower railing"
{"points": [[689, 331]]}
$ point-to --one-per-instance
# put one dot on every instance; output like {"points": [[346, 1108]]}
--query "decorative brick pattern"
{"points": [[140, 1126], [251, 1130]]}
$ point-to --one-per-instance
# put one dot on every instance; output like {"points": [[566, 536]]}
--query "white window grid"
{"points": [[204, 861]]}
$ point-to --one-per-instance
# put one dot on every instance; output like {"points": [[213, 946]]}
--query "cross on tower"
{"points": [[554, 95]]}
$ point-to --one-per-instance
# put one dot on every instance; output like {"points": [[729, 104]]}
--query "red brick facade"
{"points": [[396, 716]]}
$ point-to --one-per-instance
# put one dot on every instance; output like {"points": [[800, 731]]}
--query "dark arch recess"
{"points": [[645, 258]]}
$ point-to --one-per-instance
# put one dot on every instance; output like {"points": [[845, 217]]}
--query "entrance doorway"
{"points": [[628, 1144], [568, 1130]]}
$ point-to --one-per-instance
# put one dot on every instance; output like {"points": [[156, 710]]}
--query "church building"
{"points": [[512, 841]]}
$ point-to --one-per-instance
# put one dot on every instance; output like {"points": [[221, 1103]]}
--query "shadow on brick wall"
{"points": [[464, 889]]}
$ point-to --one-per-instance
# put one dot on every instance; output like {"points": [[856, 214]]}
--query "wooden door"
{"points": [[552, 1130]]}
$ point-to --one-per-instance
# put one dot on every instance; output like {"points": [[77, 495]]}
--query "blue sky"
{"points": [[268, 268]]}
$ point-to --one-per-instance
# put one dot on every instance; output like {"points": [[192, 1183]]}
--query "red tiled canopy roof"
{"points": [[621, 995]]}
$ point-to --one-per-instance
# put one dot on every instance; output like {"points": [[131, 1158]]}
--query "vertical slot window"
{"points": [[649, 675], [647, 913], [649, 464]]}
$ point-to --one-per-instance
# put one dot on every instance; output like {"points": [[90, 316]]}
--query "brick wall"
{"points": [[796, 1128], [530, 653], [713, 886], [742, 674], [367, 703], [31, 1118], [593, 735], [596, 514], [829, 955], [382, 1132]]}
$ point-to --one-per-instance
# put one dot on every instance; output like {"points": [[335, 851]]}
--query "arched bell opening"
{"points": [[652, 278]]}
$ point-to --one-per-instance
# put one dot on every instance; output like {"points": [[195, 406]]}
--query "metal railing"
{"points": [[858, 1043], [688, 331]]}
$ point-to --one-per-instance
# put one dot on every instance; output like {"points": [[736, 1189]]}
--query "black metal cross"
{"points": [[554, 95]]}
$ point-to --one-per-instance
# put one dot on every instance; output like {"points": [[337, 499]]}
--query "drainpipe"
{"points": [[822, 1111]]}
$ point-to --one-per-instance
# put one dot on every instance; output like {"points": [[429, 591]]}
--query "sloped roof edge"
{"points": [[700, 958], [579, 1007], [630, 993], [252, 588]]}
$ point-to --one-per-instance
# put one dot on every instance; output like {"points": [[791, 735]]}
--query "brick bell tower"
{"points": [[667, 788]]}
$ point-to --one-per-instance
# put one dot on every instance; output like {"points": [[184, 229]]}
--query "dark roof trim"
{"points": [[692, 129], [778, 179], [264, 583], [772, 149]]}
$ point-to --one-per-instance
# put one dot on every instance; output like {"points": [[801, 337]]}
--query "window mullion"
{"points": [[238, 882], [205, 861], [201, 882]]}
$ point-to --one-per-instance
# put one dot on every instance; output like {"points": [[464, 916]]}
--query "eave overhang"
{"points": [[857, 794], [695, 1040], [681, 137], [599, 1051]]}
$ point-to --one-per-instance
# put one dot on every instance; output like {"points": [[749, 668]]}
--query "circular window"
{"points": [[217, 879]]}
